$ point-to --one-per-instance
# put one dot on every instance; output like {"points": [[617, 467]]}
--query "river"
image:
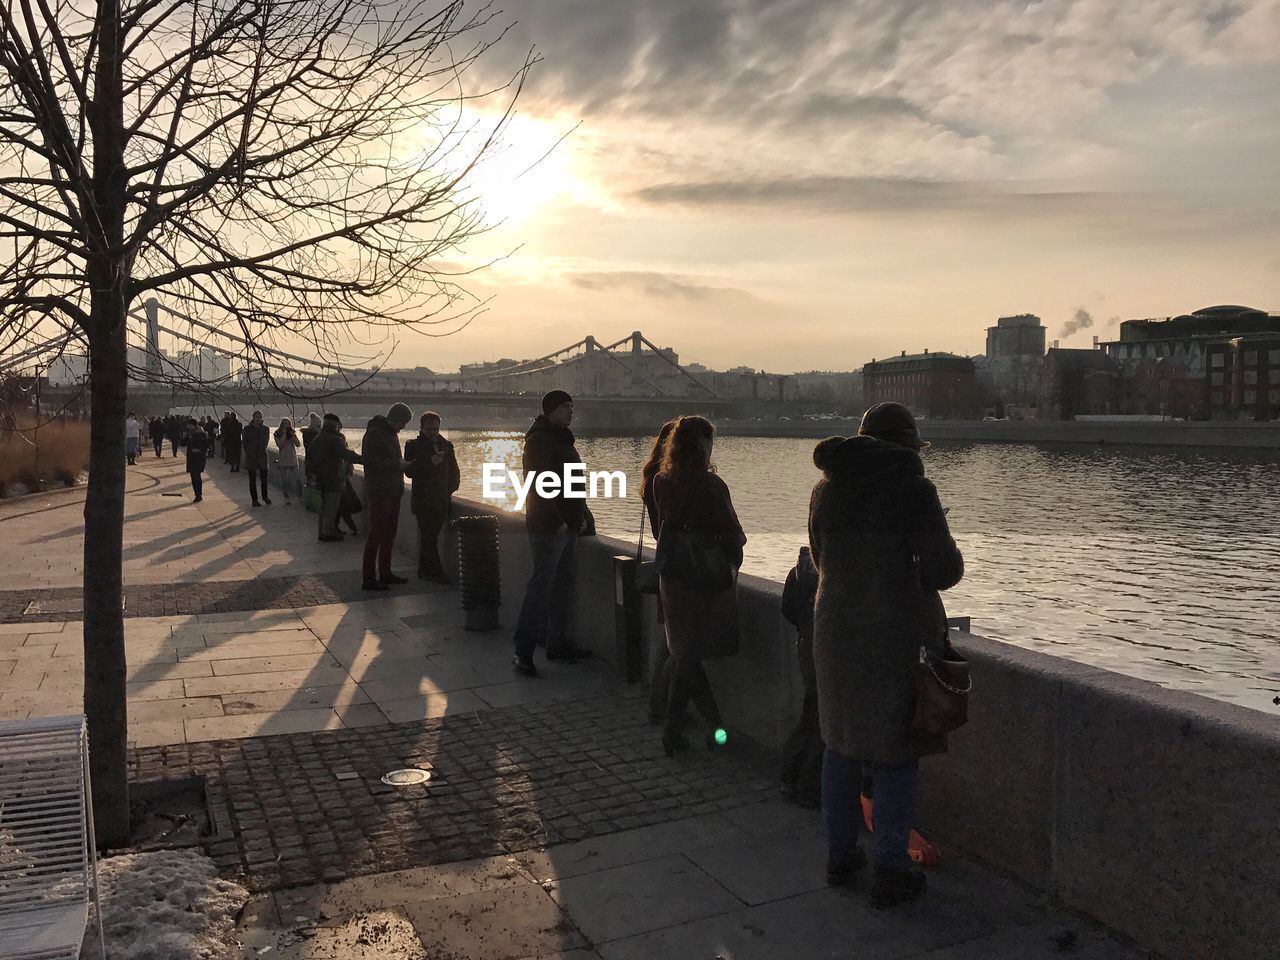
{"points": [[1158, 563]]}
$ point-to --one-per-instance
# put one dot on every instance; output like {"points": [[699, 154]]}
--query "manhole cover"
{"points": [[406, 778]]}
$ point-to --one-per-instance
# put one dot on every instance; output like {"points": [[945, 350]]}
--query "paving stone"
{"points": [[516, 922]]}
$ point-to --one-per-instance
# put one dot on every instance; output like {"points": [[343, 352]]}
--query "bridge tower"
{"points": [[153, 336]]}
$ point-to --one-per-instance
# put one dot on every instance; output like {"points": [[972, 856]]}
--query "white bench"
{"points": [[48, 860]]}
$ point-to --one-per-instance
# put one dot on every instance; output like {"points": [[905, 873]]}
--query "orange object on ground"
{"points": [[919, 849]]}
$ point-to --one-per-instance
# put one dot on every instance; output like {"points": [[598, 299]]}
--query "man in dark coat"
{"points": [[174, 429], [329, 457], [309, 433], [433, 467], [384, 467], [197, 456], [231, 441], [553, 524], [255, 436], [880, 541], [157, 434]]}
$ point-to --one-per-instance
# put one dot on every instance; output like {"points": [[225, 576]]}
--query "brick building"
{"points": [[1163, 363], [934, 385], [1244, 378]]}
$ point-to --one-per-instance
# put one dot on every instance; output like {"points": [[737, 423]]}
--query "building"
{"points": [[1244, 378], [68, 370], [1077, 383], [827, 386], [1163, 365], [201, 366], [934, 385], [1009, 374]]}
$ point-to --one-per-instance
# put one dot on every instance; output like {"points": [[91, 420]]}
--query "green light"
{"points": [[722, 736]]}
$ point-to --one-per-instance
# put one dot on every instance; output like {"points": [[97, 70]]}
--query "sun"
{"points": [[528, 165]]}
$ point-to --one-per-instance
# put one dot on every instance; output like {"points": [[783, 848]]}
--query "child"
{"points": [[801, 776], [350, 503]]}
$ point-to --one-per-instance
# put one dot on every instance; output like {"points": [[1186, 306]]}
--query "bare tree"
{"points": [[288, 168]]}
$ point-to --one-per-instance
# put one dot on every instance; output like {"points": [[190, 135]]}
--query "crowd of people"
{"points": [[864, 595]]}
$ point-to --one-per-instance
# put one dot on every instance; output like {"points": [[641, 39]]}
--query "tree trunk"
{"points": [[104, 653], [108, 270]]}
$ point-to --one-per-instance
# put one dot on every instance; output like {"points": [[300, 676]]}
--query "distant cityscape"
{"points": [[1220, 362]]}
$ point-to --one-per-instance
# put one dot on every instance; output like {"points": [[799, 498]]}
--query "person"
{"points": [[287, 444], [658, 658], [210, 426], [349, 503], [157, 435], [329, 458], [255, 437], [553, 524], [433, 467], [687, 492], [880, 543], [131, 434], [801, 775], [197, 457], [231, 441], [174, 429], [309, 433], [384, 467]]}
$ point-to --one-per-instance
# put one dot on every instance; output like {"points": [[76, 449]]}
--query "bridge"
{"points": [[622, 384]]}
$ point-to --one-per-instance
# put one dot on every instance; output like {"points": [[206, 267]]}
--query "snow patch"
{"points": [[166, 905]]}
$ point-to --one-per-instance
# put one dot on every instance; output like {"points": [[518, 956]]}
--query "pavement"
{"points": [[551, 825]]}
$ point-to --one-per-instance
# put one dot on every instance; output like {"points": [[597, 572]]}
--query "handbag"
{"points": [[349, 504], [943, 686], [646, 570], [694, 557]]}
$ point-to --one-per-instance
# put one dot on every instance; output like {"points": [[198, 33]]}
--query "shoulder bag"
{"points": [[646, 570], [693, 557], [943, 686]]}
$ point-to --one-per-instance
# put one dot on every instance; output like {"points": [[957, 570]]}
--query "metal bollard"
{"points": [[628, 650], [479, 571]]}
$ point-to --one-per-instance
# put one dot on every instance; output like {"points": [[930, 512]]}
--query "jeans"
{"points": [[544, 614], [429, 527], [197, 484], [687, 680], [329, 503], [159, 446], [289, 482], [254, 477], [893, 812], [174, 444], [384, 518]]}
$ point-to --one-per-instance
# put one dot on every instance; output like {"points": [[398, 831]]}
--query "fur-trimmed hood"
{"points": [[867, 460]]}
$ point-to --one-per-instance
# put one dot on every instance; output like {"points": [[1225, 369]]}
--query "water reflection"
{"points": [[1158, 563]]}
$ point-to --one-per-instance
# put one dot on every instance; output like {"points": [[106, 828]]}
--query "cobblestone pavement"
{"points": [[299, 808]]}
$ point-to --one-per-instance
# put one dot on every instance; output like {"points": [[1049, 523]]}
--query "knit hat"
{"points": [[554, 399], [400, 412], [892, 422]]}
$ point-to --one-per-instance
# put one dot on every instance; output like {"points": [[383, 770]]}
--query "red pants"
{"points": [[384, 518]]}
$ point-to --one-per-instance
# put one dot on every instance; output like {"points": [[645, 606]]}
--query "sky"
{"points": [[811, 184]]}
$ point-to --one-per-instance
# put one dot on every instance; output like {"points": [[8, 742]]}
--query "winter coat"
{"points": [[328, 460], [287, 444], [690, 614], [231, 436], [157, 429], [881, 545], [434, 470], [798, 594], [131, 429], [255, 440], [383, 466], [197, 450], [174, 430], [547, 448]]}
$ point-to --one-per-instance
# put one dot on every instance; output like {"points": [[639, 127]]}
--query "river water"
{"points": [[1158, 563]]}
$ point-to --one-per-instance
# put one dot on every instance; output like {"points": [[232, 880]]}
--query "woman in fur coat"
{"points": [[880, 541]]}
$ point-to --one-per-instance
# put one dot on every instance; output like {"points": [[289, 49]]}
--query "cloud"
{"points": [[1081, 320], [654, 284]]}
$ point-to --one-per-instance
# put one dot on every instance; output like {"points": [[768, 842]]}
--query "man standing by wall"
{"points": [[384, 467], [434, 469], [256, 436], [553, 524], [328, 457]]}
